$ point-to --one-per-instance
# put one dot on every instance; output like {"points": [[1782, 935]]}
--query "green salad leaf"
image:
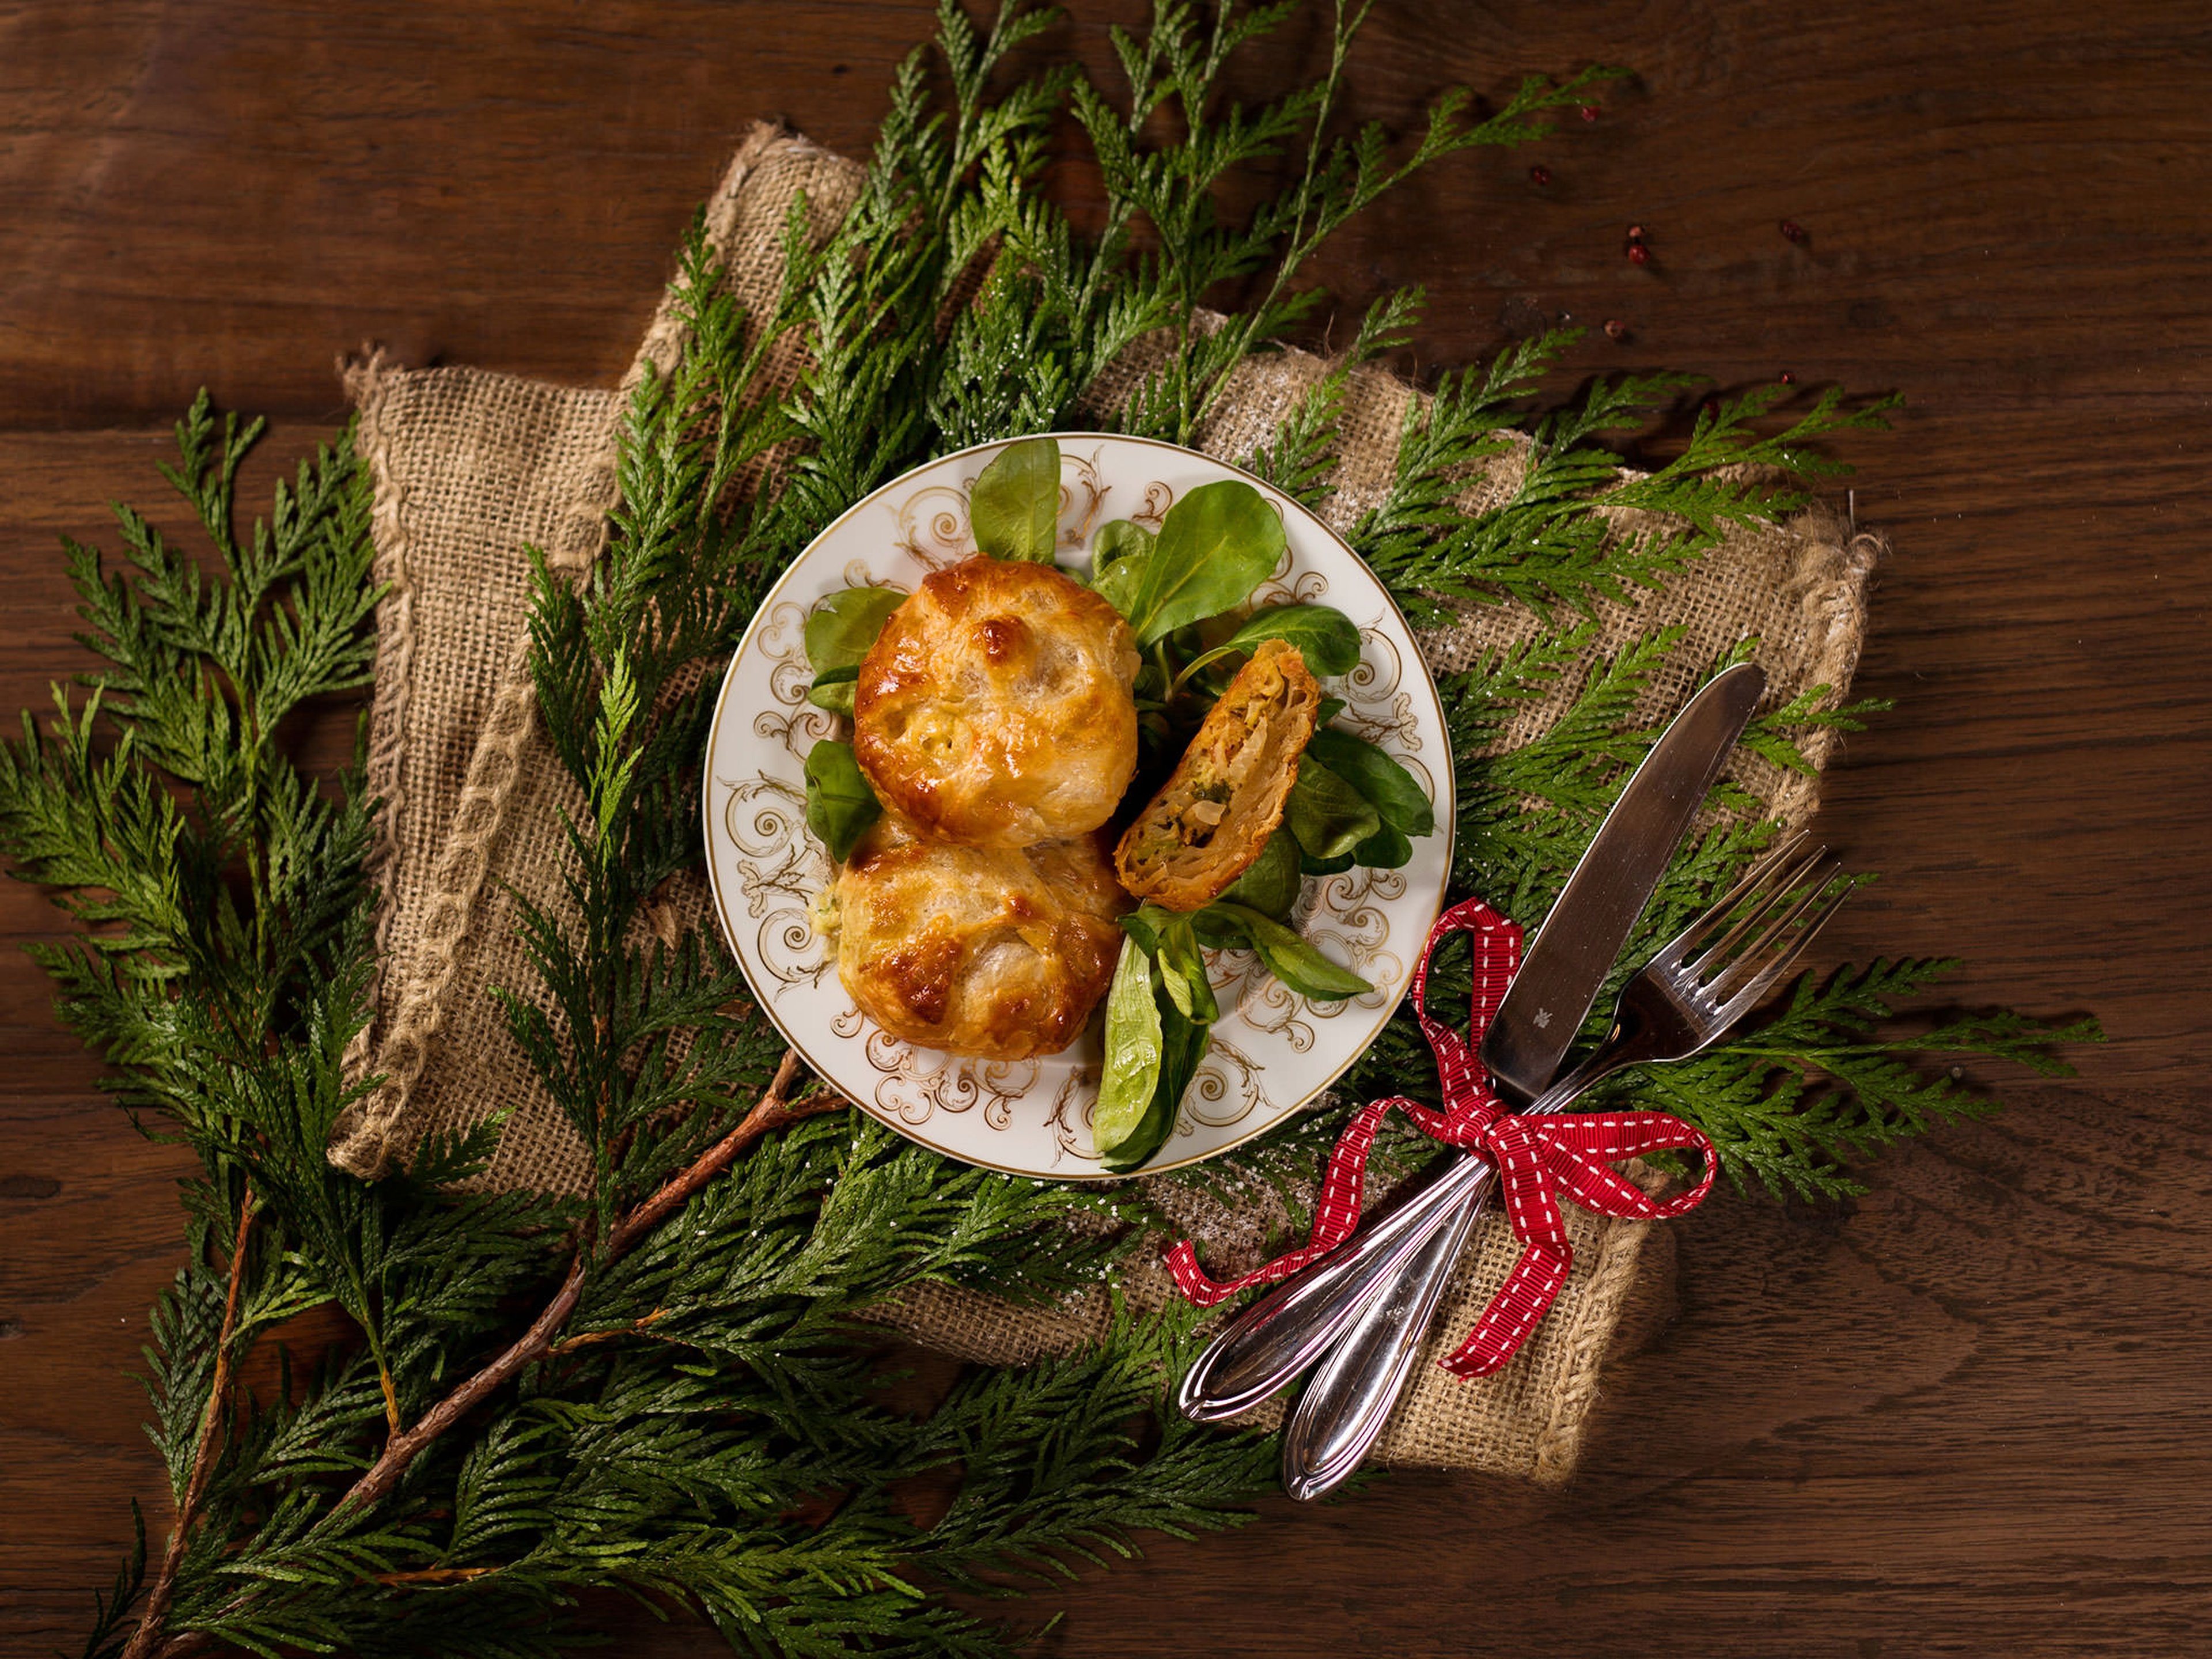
{"points": [[839, 805], [1182, 1045], [1167, 1032], [842, 626], [1131, 1072], [1215, 546], [1388, 787], [833, 690], [1143, 925], [1118, 539], [1385, 849], [1183, 972], [1288, 956], [1328, 815], [1216, 927], [1015, 505], [1327, 638], [1117, 583], [1118, 553], [1270, 883]]}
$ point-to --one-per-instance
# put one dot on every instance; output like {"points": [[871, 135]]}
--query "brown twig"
{"points": [[636, 1327], [772, 1112], [436, 1575], [165, 1576]]}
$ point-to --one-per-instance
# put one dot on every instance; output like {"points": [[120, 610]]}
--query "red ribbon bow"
{"points": [[1537, 1158]]}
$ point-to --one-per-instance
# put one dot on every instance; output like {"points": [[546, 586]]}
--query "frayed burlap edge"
{"points": [[393, 675]]}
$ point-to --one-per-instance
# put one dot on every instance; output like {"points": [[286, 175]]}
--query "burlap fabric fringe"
{"points": [[469, 467]]}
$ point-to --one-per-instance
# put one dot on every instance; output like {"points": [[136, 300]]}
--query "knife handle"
{"points": [[1265, 1347], [1344, 1409]]}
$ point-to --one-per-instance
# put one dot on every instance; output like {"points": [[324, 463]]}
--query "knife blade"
{"points": [[1565, 963], [1267, 1347], [1345, 1407]]}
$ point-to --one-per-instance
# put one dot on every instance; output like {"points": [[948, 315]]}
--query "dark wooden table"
{"points": [[1964, 1415]]}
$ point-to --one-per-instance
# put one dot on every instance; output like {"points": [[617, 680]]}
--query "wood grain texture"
{"points": [[1967, 1414]]}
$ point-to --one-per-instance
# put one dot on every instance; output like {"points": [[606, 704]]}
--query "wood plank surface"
{"points": [[1965, 1415]]}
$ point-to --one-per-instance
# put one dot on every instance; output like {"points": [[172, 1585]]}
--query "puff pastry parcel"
{"points": [[1225, 798], [995, 709], [974, 950]]}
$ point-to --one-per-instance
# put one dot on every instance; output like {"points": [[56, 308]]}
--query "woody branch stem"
{"points": [[165, 1577], [772, 1112]]}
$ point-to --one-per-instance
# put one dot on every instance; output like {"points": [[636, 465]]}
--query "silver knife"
{"points": [[1267, 1346], [1345, 1407]]}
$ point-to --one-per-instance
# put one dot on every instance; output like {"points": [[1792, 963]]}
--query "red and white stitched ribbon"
{"points": [[1537, 1158]]}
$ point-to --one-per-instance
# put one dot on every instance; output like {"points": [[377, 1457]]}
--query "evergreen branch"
{"points": [[1299, 456], [1816, 1085], [771, 1113], [1562, 536], [144, 1639], [1804, 1088]]}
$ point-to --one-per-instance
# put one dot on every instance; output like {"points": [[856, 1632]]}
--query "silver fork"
{"points": [[1697, 986], [1378, 1292]]}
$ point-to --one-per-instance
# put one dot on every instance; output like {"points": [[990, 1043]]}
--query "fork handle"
{"points": [[1264, 1349], [1343, 1410]]}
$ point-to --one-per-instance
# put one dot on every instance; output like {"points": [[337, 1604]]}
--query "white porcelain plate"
{"points": [[1272, 1051]]}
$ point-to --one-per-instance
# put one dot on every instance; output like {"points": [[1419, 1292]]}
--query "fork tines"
{"points": [[1770, 916]]}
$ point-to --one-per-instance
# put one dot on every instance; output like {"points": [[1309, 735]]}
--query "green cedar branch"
{"points": [[147, 1637], [771, 1113]]}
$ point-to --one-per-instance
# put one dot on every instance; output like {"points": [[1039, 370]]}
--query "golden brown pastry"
{"points": [[974, 950], [1212, 817], [993, 709]]}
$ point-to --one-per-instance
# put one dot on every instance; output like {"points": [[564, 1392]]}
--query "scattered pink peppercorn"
{"points": [[1589, 112], [1638, 254], [1636, 233], [1540, 175], [1616, 329], [1792, 231], [1787, 378]]}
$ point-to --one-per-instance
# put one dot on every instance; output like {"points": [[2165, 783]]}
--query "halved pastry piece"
{"points": [[977, 951], [994, 706], [1214, 815]]}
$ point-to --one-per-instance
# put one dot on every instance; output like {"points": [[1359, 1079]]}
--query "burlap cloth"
{"points": [[471, 467]]}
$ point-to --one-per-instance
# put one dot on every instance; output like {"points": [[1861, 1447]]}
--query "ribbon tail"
{"points": [[1336, 1218], [1198, 1288], [1513, 1313], [1539, 1161]]}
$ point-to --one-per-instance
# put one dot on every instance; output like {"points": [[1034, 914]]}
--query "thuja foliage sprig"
{"points": [[1061, 307], [689, 1384], [1554, 541], [444, 1480], [1820, 1084]]}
